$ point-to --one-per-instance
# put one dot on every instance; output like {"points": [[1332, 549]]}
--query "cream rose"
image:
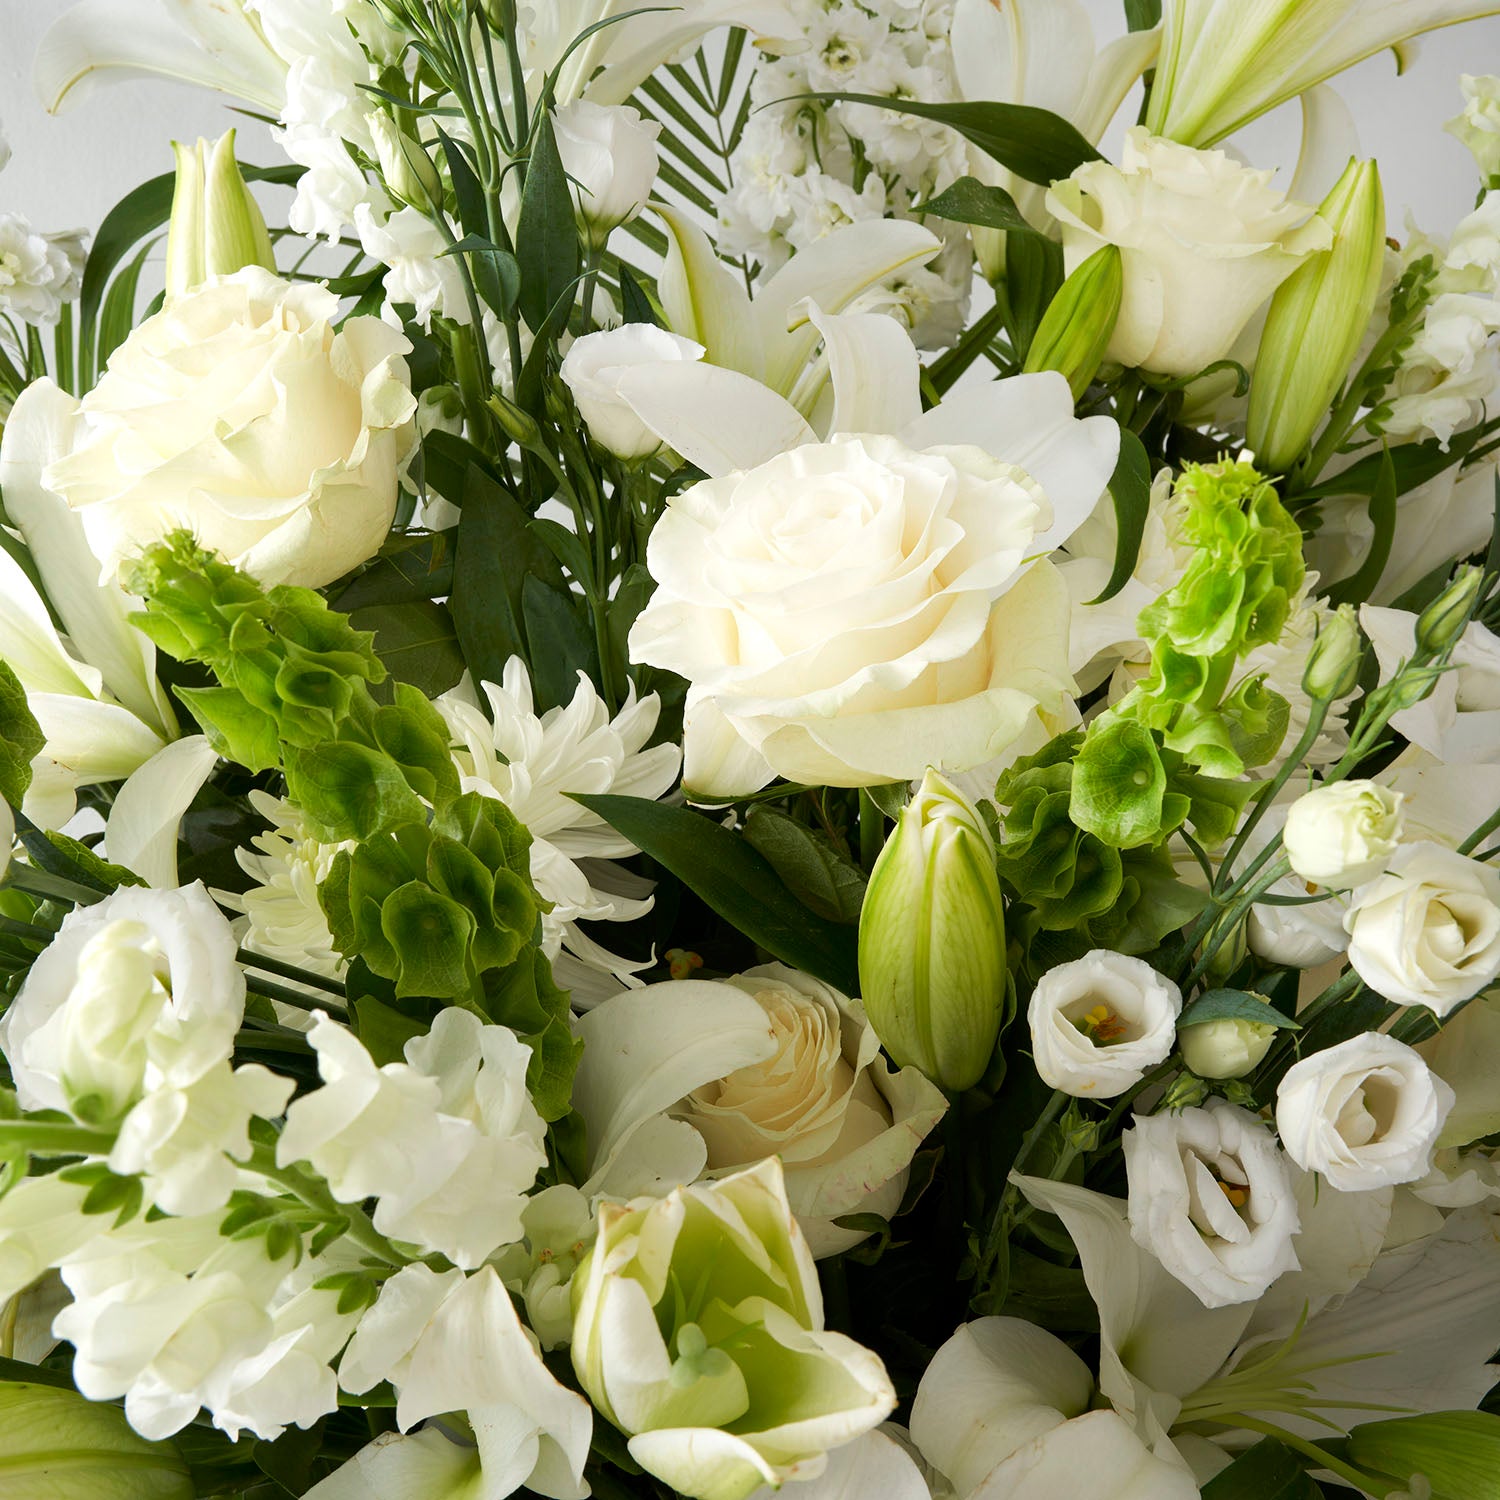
{"points": [[1366, 1113], [240, 413], [843, 1123], [1101, 1023], [1211, 1198], [610, 153], [1205, 242], [1343, 834], [1427, 932], [853, 612], [593, 368]]}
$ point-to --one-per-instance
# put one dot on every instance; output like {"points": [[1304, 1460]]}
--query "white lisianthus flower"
{"points": [[1343, 834], [592, 368], [1205, 242], [844, 1125], [240, 413], [185, 1141], [1478, 124], [1301, 936], [447, 1142], [610, 154], [853, 612], [1101, 1023], [38, 272], [533, 763], [1366, 1113], [1427, 932], [137, 992], [1211, 1198]]}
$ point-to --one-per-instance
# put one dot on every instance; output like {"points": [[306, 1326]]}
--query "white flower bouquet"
{"points": [[736, 773]]}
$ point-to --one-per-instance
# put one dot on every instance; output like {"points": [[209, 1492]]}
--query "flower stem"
{"points": [[315, 1194], [1369, 1483]]}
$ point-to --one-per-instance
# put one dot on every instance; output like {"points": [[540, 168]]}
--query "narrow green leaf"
{"points": [[118, 317], [546, 237], [467, 192], [1235, 1005], [1033, 277], [497, 277], [1268, 1471], [1356, 589], [1130, 489], [1142, 15], [1415, 464], [635, 302], [21, 737], [970, 201]]}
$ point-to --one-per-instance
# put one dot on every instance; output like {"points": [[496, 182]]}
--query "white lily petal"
{"points": [[28, 643], [719, 419], [1115, 72], [141, 832], [93, 741], [422, 1465], [646, 1049], [1099, 1445], [704, 301], [872, 1467], [875, 370], [1329, 139]]}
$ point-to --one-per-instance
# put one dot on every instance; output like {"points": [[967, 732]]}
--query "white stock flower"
{"points": [[38, 272], [1427, 931], [412, 248], [1101, 1023], [844, 1125], [1205, 242], [136, 992], [610, 154], [1477, 125], [532, 763], [1365, 1113], [185, 1142], [1343, 834], [1211, 1197], [241, 414], [591, 370], [447, 1142]]}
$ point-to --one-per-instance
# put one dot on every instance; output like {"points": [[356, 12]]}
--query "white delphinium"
{"points": [[532, 763], [38, 272]]}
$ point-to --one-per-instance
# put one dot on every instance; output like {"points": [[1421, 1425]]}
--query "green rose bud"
{"points": [[1080, 320], [216, 226], [1440, 625], [1227, 1048], [1316, 321], [932, 940], [698, 1331]]}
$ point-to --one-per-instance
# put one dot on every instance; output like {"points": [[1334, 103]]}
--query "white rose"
{"points": [[1226, 1048], [241, 414], [1101, 1023], [1211, 1198], [1366, 1113], [136, 992], [1343, 834], [610, 153], [592, 369], [852, 612], [844, 1125], [1205, 242], [1427, 932]]}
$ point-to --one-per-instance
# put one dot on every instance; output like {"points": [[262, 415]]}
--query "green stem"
{"points": [[1161, 1071], [998, 1231], [1370, 1483], [315, 1194], [290, 971], [871, 830], [44, 1138]]}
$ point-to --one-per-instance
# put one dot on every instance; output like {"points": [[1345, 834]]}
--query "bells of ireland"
{"points": [[932, 940]]}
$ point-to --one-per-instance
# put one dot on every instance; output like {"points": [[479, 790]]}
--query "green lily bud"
{"points": [[1080, 321], [1316, 321], [1456, 1452], [216, 226], [1333, 663], [1440, 625], [406, 169], [932, 940]]}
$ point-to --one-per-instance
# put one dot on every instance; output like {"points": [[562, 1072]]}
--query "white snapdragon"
{"points": [[1343, 834], [610, 154], [1211, 1197], [136, 992], [1427, 931], [38, 272], [1477, 125], [42, 1222], [418, 271], [1365, 1114], [592, 368], [1101, 1023]]}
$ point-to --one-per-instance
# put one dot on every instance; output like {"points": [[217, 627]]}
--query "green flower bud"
{"points": [[216, 227], [1078, 324], [1227, 1048], [1316, 321], [1440, 625], [932, 940], [1333, 663], [406, 169]]}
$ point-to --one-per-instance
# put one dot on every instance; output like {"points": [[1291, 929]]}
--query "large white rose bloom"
{"points": [[241, 414]]}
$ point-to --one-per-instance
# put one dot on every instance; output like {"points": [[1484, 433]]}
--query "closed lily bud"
{"points": [[1080, 321], [932, 940], [1316, 321], [1440, 625], [1332, 668], [216, 226]]}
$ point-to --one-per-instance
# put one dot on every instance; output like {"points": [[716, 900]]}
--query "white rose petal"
{"points": [[1365, 1113], [1101, 1023], [1343, 834], [592, 370]]}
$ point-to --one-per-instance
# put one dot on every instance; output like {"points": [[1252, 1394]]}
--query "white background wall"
{"points": [[68, 171]]}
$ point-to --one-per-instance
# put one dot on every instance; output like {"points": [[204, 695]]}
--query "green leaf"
{"points": [[416, 641], [824, 880], [86, 866], [446, 461], [737, 882], [415, 567], [349, 791], [1415, 464], [636, 305], [546, 236], [468, 194], [118, 317], [1234, 1005], [1268, 1471], [1034, 143], [21, 737], [1033, 277], [562, 642], [1142, 15], [1130, 489], [1458, 1452], [497, 276], [1356, 589], [970, 201], [384, 1030]]}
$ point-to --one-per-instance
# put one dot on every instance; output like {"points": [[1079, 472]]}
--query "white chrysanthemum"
{"points": [[532, 763], [38, 272]]}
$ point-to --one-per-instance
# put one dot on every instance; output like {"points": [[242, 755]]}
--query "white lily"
{"points": [[141, 830], [1225, 62]]}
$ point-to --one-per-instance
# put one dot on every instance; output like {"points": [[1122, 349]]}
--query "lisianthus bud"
{"points": [[406, 169], [610, 154], [1227, 1048], [932, 940], [1078, 324], [1332, 668], [1444, 620], [216, 226], [1343, 834], [1316, 321]]}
